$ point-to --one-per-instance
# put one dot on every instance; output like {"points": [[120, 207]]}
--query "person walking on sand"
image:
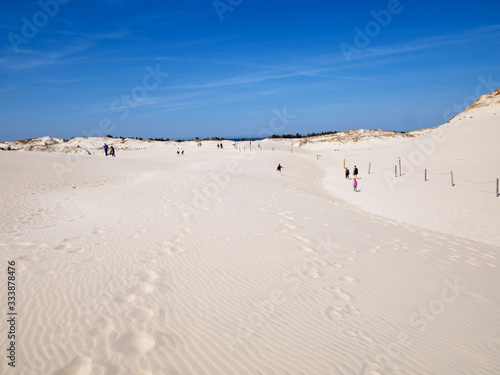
{"points": [[112, 151], [355, 171], [105, 147], [279, 168], [347, 173], [355, 185]]}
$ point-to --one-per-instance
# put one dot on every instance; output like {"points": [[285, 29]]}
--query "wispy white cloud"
{"points": [[57, 81], [251, 78], [96, 36], [476, 35], [30, 59]]}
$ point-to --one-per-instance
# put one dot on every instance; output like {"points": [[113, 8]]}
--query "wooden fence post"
{"points": [[497, 187], [395, 171], [425, 179], [369, 167], [452, 184], [344, 163]]}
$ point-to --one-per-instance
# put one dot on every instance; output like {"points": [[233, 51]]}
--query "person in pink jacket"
{"points": [[355, 184]]}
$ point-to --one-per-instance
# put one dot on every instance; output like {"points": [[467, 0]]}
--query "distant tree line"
{"points": [[298, 135], [140, 139]]}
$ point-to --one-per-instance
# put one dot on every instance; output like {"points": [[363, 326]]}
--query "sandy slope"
{"points": [[468, 147], [211, 263]]}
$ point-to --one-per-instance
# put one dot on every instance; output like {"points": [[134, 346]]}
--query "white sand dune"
{"points": [[212, 263]]}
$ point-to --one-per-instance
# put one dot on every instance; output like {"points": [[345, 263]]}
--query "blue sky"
{"points": [[240, 68]]}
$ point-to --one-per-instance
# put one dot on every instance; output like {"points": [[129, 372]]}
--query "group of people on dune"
{"points": [[355, 173], [109, 150], [347, 174]]}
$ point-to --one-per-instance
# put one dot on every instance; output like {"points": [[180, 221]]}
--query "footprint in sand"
{"points": [[78, 366], [359, 336], [134, 344], [167, 341], [340, 309], [303, 239], [375, 369], [307, 249], [141, 313], [72, 239], [474, 262], [340, 294], [312, 273], [30, 257], [102, 329], [127, 298], [348, 279], [142, 288], [488, 255], [148, 276], [171, 249], [24, 244], [319, 261], [334, 313]]}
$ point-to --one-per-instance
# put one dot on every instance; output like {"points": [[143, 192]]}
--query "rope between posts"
{"points": [[474, 182], [439, 174], [436, 174]]}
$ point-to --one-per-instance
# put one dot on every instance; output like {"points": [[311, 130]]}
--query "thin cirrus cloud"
{"points": [[478, 35], [30, 59], [250, 78]]}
